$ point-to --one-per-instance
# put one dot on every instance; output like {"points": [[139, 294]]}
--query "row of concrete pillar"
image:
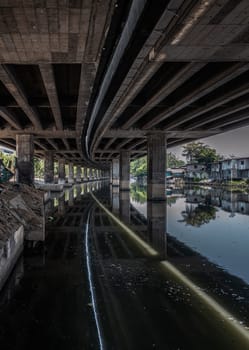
{"points": [[120, 168], [156, 153], [25, 165]]}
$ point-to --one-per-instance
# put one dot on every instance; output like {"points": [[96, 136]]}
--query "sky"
{"points": [[234, 142]]}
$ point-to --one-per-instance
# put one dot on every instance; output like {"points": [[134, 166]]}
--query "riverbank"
{"points": [[22, 217]]}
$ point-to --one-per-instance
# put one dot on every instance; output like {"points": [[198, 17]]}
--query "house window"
{"points": [[242, 162], [195, 166]]}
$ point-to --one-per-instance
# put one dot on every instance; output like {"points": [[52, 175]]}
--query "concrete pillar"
{"points": [[124, 170], [157, 225], [104, 175], [156, 167], [115, 200], [115, 172], [49, 167], [85, 173], [61, 205], [78, 174], [90, 174], [25, 158], [70, 173], [124, 206], [61, 170], [82, 174], [71, 199]]}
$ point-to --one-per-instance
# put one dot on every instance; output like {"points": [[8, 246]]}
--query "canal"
{"points": [[119, 273]]}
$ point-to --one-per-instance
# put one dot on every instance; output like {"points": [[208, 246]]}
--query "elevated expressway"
{"points": [[94, 81]]}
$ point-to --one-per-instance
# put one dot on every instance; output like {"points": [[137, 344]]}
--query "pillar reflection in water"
{"points": [[78, 192], [124, 206], [49, 206], [157, 225], [115, 200], [70, 199], [61, 205]]}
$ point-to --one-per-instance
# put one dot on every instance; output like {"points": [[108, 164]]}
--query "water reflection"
{"points": [[213, 222], [198, 215], [137, 291]]}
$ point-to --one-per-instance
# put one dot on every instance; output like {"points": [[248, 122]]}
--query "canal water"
{"points": [[117, 272]]}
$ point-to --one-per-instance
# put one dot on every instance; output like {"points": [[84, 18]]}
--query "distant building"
{"points": [[196, 171], [230, 169], [175, 173]]}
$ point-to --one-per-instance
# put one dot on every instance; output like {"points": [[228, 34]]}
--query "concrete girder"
{"points": [[200, 91], [6, 115], [16, 90]]}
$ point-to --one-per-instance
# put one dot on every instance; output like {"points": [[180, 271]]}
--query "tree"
{"points": [[139, 166], [200, 153], [38, 167], [173, 162]]}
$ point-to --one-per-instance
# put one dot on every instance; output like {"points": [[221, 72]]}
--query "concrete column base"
{"points": [[115, 172], [156, 184]]}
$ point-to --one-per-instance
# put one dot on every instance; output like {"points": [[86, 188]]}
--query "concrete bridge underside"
{"points": [[91, 82]]}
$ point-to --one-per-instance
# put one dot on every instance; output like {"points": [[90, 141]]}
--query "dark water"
{"points": [[95, 285]]}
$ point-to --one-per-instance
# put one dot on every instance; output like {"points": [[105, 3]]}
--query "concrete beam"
{"points": [[16, 90], [48, 133], [178, 79], [9, 118], [47, 74], [53, 144], [200, 91], [138, 133]]}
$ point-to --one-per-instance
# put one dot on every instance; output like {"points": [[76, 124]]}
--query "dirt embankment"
{"points": [[21, 205]]}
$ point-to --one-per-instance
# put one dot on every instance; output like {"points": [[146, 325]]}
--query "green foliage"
{"points": [[139, 166], [39, 167], [173, 162], [8, 160], [200, 153]]}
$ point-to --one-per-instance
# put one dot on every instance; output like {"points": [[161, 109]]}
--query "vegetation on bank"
{"points": [[139, 166], [198, 152]]}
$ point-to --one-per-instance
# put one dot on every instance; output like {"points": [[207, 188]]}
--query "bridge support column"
{"points": [[157, 225], [124, 170], [78, 174], [124, 206], [115, 172], [90, 174], [115, 199], [61, 205], [156, 153], [49, 167], [61, 170], [71, 198], [70, 173], [85, 173], [25, 159], [104, 173]]}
